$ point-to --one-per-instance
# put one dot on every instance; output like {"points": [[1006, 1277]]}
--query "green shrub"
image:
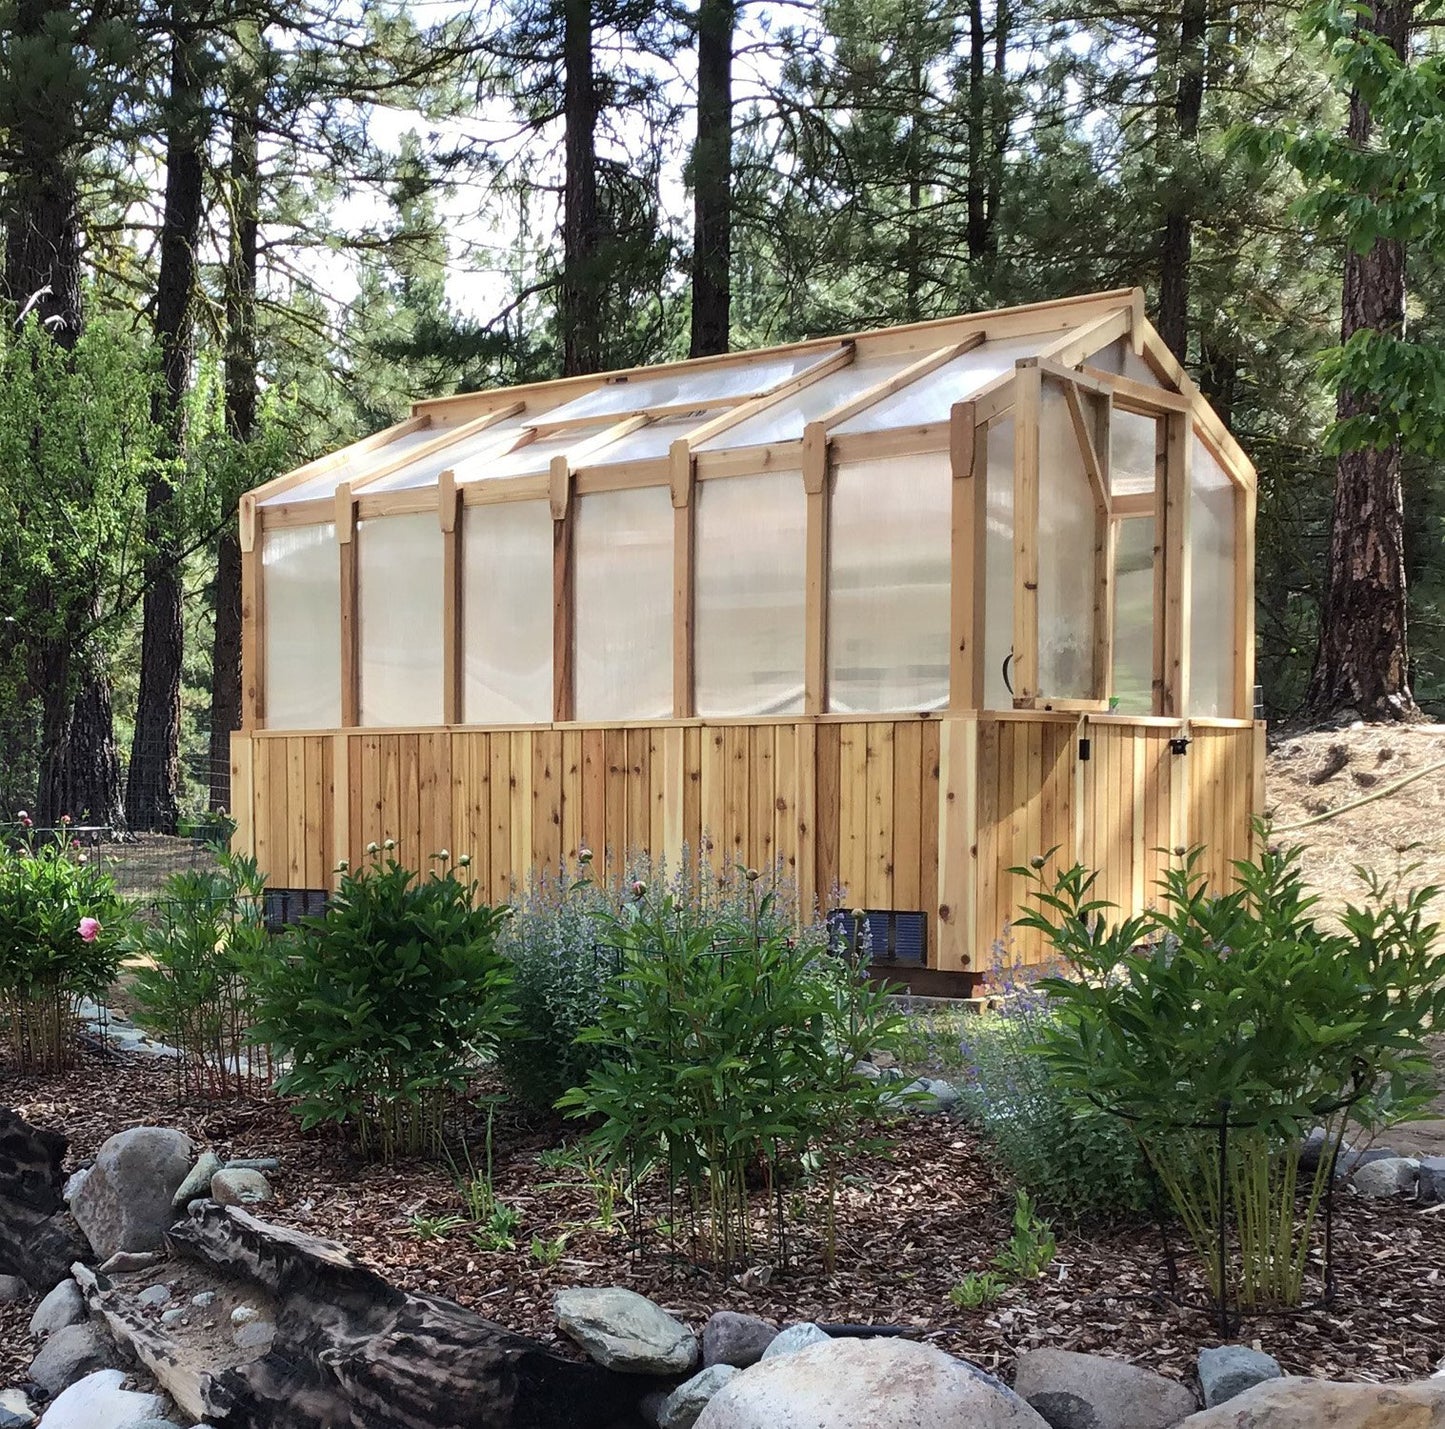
{"points": [[1076, 1159], [561, 958], [190, 987], [62, 931], [727, 1046], [1239, 1012], [386, 1004]]}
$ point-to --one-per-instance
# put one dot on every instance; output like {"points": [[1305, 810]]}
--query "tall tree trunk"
{"points": [[977, 181], [1362, 660], [153, 786], [1002, 125], [79, 771], [913, 176], [712, 179], [1177, 243], [581, 300], [240, 377]]}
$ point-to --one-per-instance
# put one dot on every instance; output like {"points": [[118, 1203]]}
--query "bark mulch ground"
{"points": [[911, 1225]]}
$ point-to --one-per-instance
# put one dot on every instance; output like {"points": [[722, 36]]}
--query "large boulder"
{"points": [[38, 1239], [622, 1330], [1226, 1371], [240, 1187], [1386, 1177], [65, 1305], [100, 1402], [69, 1354], [739, 1340], [1326, 1404], [877, 1383], [125, 1202], [1074, 1391]]}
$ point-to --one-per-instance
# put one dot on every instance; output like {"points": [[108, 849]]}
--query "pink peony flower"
{"points": [[89, 929]]}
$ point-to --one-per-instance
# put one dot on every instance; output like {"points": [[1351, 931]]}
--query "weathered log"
{"points": [[38, 1239], [351, 1349]]}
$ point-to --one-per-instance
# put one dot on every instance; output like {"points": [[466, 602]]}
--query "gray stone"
{"points": [[1074, 1391], [1431, 1186], [624, 1331], [688, 1400], [125, 1261], [792, 1338], [154, 1295], [73, 1183], [176, 1315], [198, 1180], [1299, 1403], [945, 1095], [100, 1401], [13, 1288], [867, 1071], [67, 1355], [202, 1298], [1391, 1176], [15, 1410], [63, 1306], [155, 1424], [731, 1338], [254, 1335], [244, 1314], [240, 1188], [879, 1383], [125, 1203], [1229, 1370], [253, 1163]]}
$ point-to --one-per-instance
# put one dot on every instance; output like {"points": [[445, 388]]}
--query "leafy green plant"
{"points": [[978, 1290], [434, 1227], [497, 1228], [386, 1004], [1224, 1026], [548, 1251], [189, 983], [63, 931], [1029, 1250], [727, 1050]]}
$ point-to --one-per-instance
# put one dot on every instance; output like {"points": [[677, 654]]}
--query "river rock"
{"points": [[1076, 1391], [197, 1182], [65, 1305], [125, 1202], [792, 1338], [688, 1400], [99, 1401], [1228, 1370], [69, 1354], [241, 1187], [1431, 1186], [621, 1330], [123, 1262], [13, 1288], [1389, 1176], [154, 1296], [882, 1383], [739, 1340], [15, 1410], [1298, 1403]]}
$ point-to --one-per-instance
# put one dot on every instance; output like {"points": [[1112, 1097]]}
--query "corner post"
{"points": [[563, 583]]}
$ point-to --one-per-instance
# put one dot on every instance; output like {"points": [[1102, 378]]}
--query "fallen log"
{"points": [[351, 1349], [38, 1238]]}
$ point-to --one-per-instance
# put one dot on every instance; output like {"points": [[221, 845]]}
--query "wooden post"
{"points": [[684, 583], [563, 580], [957, 910], [243, 793], [340, 806], [968, 457], [253, 628], [1174, 522], [1245, 504], [1028, 401], [815, 484], [452, 651], [350, 613]]}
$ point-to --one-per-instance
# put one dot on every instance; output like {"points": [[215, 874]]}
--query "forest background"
{"points": [[237, 235]]}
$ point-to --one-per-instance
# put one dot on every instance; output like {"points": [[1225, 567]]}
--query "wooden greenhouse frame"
{"points": [[587, 632]]}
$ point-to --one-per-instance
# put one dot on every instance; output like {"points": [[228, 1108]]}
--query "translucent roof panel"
{"points": [[712, 383], [929, 398], [324, 483], [427, 470], [784, 420], [531, 459], [647, 443]]}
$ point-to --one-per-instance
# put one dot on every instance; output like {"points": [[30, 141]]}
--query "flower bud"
{"points": [[389, 844]]}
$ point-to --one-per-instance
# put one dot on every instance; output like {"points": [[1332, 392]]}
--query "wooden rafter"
{"points": [[440, 443]]}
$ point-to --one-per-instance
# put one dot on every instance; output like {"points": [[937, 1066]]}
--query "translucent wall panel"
{"points": [[427, 471], [784, 421], [1066, 555], [709, 384], [325, 483], [507, 613], [930, 397], [301, 611], [1133, 673], [1119, 358], [1211, 594], [624, 604], [399, 607], [1133, 447], [749, 618], [888, 582], [998, 630]]}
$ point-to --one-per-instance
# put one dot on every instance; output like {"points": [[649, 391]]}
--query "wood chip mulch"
{"points": [[911, 1225]]}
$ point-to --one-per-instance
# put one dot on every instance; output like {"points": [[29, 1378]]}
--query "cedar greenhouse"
{"points": [[901, 609]]}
